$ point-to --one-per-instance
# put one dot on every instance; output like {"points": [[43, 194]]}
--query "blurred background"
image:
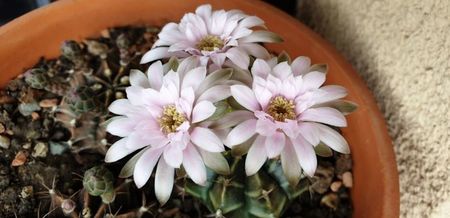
{"points": [[402, 50]]}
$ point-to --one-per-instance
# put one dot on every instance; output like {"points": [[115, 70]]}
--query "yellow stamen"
{"points": [[209, 43], [281, 109], [171, 119]]}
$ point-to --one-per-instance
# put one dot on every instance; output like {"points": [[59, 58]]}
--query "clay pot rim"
{"points": [[384, 173]]}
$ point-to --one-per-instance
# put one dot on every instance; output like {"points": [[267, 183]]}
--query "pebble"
{"points": [[19, 160], [330, 200], [40, 150], [34, 116], [26, 145], [47, 103], [347, 179], [5, 142], [26, 191], [335, 186]]}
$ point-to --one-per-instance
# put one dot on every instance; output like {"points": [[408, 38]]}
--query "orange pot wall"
{"points": [[41, 32]]}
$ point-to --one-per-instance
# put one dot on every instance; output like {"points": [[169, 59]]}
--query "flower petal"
{"points": [[232, 119], [194, 77], [238, 57], [215, 93], [325, 115], [333, 139], [290, 164], [120, 106], [206, 139], [173, 156], [144, 166], [193, 164], [300, 65], [137, 78], [260, 68], [155, 75], [117, 151], [121, 126], [282, 70], [202, 111], [261, 36], [164, 177], [155, 54], [256, 156], [245, 97], [241, 133], [305, 155], [255, 50], [274, 144], [215, 161], [310, 132], [312, 80]]}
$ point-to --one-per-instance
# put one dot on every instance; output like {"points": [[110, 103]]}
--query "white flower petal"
{"points": [[238, 57], [193, 164], [232, 119], [260, 68], [274, 144], [245, 97], [155, 75], [256, 156], [332, 139], [325, 115], [215, 93], [144, 166], [215, 161], [138, 78], [173, 156], [290, 164], [155, 54], [206, 139], [194, 77], [261, 36], [282, 70], [121, 126], [202, 111], [305, 155], [255, 50], [300, 65], [117, 151], [241, 133], [120, 106], [163, 181], [312, 80], [310, 132], [251, 21], [218, 59]]}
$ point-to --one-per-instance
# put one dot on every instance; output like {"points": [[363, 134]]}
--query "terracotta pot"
{"points": [[41, 32]]}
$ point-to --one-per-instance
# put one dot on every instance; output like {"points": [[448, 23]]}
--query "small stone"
{"points": [[335, 186], [48, 103], [330, 200], [322, 179], [2, 128], [105, 33], [5, 142], [119, 95], [68, 206], [26, 192], [347, 179], [27, 108], [26, 145], [125, 80], [20, 159], [34, 116], [40, 150]]}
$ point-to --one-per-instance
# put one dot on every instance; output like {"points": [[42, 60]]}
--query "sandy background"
{"points": [[402, 50]]}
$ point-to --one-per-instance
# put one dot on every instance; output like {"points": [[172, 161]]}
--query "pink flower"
{"points": [[163, 114], [213, 36], [289, 114]]}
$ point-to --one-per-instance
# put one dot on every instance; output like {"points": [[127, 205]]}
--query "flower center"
{"points": [[281, 109], [209, 43], [171, 119]]}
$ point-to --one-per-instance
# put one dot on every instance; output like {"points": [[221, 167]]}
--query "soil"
{"points": [[52, 130]]}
